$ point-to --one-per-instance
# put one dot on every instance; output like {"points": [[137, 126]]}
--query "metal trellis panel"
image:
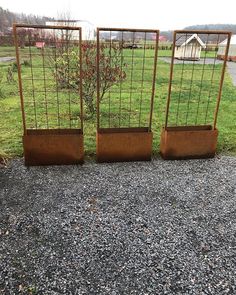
{"points": [[49, 65], [126, 75], [195, 88]]}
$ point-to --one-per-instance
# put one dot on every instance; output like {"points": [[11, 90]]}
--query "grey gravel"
{"points": [[7, 59], [207, 61], [160, 227]]}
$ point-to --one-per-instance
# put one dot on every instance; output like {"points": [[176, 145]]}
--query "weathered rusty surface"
{"points": [[188, 142], [124, 144], [53, 147], [49, 146]]}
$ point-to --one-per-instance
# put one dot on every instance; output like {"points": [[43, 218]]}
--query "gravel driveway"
{"points": [[207, 61], [160, 227], [7, 59]]}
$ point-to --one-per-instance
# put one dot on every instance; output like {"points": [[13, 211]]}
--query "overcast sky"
{"points": [[162, 14]]}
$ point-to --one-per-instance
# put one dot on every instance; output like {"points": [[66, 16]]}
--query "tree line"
{"points": [[208, 27], [7, 18]]}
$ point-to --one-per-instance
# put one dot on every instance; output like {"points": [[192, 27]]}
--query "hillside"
{"points": [[218, 27], [224, 27], [7, 18]]}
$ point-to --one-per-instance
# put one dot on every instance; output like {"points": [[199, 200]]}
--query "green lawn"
{"points": [[11, 125], [7, 51]]}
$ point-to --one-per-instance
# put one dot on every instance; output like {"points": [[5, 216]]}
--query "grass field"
{"points": [[11, 125]]}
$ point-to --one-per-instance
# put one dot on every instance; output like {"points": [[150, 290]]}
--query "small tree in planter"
{"points": [[66, 70], [22, 37]]}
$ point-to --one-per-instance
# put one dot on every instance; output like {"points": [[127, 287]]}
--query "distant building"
{"points": [[189, 47], [88, 29], [162, 38], [40, 45], [232, 49]]}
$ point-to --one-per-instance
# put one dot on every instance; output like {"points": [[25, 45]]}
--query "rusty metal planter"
{"points": [[193, 103], [124, 144], [53, 147], [52, 113], [188, 142], [123, 118]]}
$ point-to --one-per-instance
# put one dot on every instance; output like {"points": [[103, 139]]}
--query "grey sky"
{"points": [[138, 14]]}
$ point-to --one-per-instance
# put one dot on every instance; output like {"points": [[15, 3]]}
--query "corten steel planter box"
{"points": [[124, 144], [188, 142], [191, 113], [124, 119], [52, 121], [53, 147]]}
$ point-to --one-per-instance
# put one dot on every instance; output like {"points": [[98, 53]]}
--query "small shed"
{"points": [[232, 49], [188, 47]]}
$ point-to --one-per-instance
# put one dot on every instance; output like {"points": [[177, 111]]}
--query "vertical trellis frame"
{"points": [[124, 112], [195, 88], [51, 103]]}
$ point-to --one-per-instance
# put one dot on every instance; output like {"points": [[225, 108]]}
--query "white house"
{"points": [[232, 49], [188, 47], [88, 29]]}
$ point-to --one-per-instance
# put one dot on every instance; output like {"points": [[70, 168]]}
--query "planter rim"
{"points": [[124, 130], [189, 128], [53, 131]]}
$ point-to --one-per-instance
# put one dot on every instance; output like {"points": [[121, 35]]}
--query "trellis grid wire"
{"points": [[196, 82], [128, 102], [49, 62]]}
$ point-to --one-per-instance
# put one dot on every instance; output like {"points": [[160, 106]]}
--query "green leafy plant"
{"points": [[10, 74], [66, 70], [26, 63], [14, 66], [2, 95]]}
